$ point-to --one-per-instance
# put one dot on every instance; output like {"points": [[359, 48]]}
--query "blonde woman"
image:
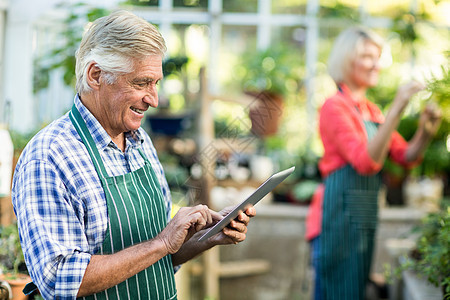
{"points": [[357, 139]]}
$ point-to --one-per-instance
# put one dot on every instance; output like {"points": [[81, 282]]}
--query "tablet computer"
{"points": [[254, 198]]}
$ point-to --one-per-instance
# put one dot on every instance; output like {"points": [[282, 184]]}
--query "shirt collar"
{"points": [[345, 90], [364, 106], [99, 134]]}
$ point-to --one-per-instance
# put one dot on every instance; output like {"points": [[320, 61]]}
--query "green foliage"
{"points": [[276, 70], [431, 256], [176, 175], [63, 56], [20, 140], [393, 169], [72, 33], [274, 143], [304, 190], [404, 26], [11, 255], [142, 2], [41, 76], [408, 126], [439, 86], [174, 65], [176, 3], [341, 11], [405, 22], [240, 6], [385, 91], [436, 159]]}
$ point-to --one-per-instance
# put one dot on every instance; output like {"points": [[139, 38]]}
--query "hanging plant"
{"points": [[63, 56]]}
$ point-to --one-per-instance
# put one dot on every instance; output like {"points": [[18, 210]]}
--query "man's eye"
{"points": [[147, 83]]}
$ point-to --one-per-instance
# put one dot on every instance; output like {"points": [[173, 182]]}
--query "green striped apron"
{"points": [[136, 213], [350, 213]]}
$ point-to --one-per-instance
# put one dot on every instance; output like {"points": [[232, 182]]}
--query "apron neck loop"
{"points": [[83, 131], [143, 156]]}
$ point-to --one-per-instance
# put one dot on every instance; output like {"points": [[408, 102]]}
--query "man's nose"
{"points": [[151, 98]]}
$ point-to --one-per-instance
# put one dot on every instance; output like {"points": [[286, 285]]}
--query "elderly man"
{"points": [[92, 203]]}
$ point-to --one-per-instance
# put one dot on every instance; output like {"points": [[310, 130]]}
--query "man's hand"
{"points": [[236, 231], [185, 224], [232, 234]]}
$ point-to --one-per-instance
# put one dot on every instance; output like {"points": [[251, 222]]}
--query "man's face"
{"points": [[124, 102]]}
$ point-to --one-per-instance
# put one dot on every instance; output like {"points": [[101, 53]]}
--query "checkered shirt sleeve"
{"points": [[60, 204]]}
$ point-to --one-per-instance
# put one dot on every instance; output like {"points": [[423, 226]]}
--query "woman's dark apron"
{"points": [[350, 213], [136, 213]]}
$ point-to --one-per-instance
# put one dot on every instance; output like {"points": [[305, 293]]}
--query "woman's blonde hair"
{"points": [[114, 42], [346, 47]]}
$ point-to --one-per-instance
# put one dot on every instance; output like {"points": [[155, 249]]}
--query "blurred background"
{"points": [[243, 84]]}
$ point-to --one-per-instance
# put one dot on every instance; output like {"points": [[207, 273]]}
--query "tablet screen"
{"points": [[254, 198]]}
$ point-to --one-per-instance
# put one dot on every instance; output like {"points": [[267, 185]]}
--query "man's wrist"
{"points": [[159, 246]]}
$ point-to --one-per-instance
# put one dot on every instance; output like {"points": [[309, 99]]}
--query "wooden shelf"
{"points": [[244, 268], [210, 145], [236, 269]]}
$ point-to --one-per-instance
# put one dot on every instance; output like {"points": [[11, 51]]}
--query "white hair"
{"points": [[114, 43], [346, 47]]}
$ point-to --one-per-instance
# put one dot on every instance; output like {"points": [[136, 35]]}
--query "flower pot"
{"points": [[5, 290], [416, 288], [394, 189], [169, 124], [265, 113], [424, 193], [446, 292], [17, 283]]}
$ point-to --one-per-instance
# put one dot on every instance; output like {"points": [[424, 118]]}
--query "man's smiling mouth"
{"points": [[139, 111]]}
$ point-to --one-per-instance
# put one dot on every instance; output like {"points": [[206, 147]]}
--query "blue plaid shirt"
{"points": [[59, 201]]}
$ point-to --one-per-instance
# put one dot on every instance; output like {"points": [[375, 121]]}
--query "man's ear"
{"points": [[93, 75]]}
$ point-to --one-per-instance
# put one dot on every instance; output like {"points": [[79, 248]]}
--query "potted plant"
{"points": [[166, 120], [430, 257], [425, 185], [309, 178], [12, 260], [435, 165], [269, 75], [62, 56]]}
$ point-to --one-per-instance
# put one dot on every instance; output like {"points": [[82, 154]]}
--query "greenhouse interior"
{"points": [[244, 83]]}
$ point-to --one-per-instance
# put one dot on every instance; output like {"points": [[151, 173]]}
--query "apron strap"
{"points": [[144, 156], [83, 131]]}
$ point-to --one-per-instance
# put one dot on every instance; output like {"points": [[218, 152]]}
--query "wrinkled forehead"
{"points": [[149, 66]]}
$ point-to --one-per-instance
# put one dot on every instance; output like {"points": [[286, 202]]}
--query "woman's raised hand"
{"points": [[430, 119], [404, 94]]}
